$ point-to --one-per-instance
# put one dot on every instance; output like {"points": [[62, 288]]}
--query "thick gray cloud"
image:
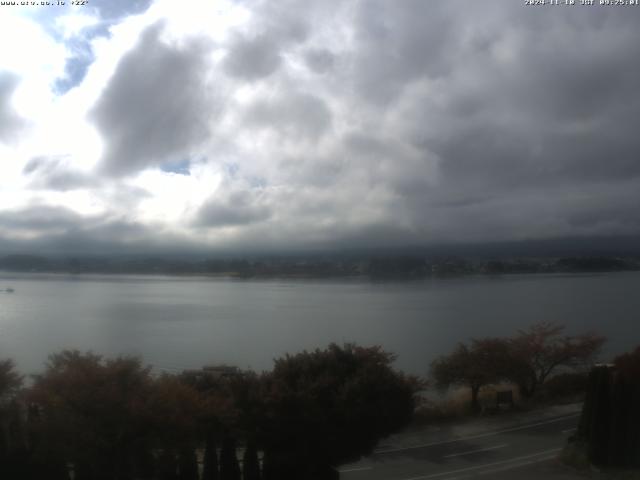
{"points": [[157, 106], [40, 219], [10, 122], [320, 60], [547, 115], [253, 58], [400, 43], [531, 139], [233, 209], [58, 230], [297, 116], [275, 29]]}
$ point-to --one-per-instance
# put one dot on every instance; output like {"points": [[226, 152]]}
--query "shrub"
{"points": [[565, 386]]}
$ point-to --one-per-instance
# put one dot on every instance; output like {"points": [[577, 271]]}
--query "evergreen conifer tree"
{"points": [[167, 466], [250, 463], [229, 467], [210, 468], [187, 464]]}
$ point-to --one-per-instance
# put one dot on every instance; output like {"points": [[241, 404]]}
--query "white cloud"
{"points": [[173, 198], [28, 51], [73, 24], [320, 122]]}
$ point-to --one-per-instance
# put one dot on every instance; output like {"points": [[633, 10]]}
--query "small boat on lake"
{"points": [[9, 290]]}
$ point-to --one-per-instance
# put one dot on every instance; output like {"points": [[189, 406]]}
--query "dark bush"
{"points": [[565, 385]]}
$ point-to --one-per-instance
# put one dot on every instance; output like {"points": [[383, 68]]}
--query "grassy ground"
{"points": [[455, 405]]}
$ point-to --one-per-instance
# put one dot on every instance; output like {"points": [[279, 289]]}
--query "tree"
{"points": [[93, 412], [541, 350], [173, 410], [144, 462], [228, 399], [229, 467], [210, 467], [167, 465], [474, 366], [10, 380], [608, 430], [187, 464], [624, 433], [327, 407], [234, 407], [14, 455], [628, 365], [250, 463]]}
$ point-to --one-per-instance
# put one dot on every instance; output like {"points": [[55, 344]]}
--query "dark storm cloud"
{"points": [[10, 122], [235, 209], [157, 105]]}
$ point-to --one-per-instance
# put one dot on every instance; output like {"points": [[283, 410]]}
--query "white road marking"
{"points": [[473, 437], [514, 461], [354, 469], [569, 430], [475, 451], [517, 465], [504, 469]]}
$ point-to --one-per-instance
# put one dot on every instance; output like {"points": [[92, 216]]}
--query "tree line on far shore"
{"points": [[113, 419], [380, 266]]}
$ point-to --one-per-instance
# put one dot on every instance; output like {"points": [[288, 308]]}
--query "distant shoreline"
{"points": [[375, 269]]}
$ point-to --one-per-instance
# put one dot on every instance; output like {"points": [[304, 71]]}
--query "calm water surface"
{"points": [[175, 323]]}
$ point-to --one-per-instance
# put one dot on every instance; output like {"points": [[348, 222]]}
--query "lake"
{"points": [[185, 322]]}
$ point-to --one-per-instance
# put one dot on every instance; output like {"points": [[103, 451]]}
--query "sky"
{"points": [[209, 125]]}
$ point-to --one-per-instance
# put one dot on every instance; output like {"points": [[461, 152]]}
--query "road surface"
{"points": [[505, 451]]}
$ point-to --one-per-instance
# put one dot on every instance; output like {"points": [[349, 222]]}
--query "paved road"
{"points": [[486, 453]]}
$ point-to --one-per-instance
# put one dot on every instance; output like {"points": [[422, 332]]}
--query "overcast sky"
{"points": [[149, 125]]}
